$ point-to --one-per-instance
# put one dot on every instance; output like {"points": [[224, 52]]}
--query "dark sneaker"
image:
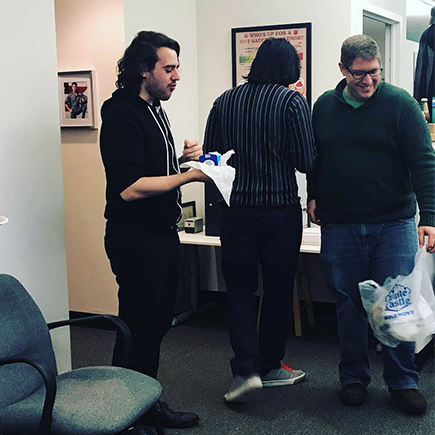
{"points": [[170, 418], [353, 394], [285, 375], [242, 386], [410, 401], [136, 430]]}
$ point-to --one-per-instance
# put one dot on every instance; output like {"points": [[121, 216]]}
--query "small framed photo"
{"points": [[77, 99], [189, 210]]}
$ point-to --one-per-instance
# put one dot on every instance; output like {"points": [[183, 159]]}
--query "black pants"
{"points": [[146, 268], [271, 236]]}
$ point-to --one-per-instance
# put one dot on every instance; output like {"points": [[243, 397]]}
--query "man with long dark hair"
{"points": [[143, 199], [269, 127]]}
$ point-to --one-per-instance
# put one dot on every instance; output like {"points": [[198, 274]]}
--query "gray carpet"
{"points": [[195, 374]]}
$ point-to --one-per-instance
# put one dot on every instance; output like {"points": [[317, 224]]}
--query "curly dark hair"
{"points": [[277, 61], [140, 56]]}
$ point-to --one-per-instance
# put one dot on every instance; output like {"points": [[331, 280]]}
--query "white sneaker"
{"points": [[241, 386], [285, 375]]}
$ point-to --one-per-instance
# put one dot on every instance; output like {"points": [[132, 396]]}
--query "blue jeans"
{"points": [[81, 110], [356, 252], [270, 236]]}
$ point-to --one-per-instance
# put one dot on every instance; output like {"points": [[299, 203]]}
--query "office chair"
{"points": [[85, 401]]}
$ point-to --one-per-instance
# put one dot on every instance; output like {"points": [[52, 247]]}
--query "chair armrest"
{"points": [[121, 357], [50, 389]]}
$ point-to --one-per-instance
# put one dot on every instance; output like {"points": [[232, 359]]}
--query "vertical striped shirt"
{"points": [[269, 128]]}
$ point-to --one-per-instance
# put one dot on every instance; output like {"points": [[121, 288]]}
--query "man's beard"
{"points": [[156, 91]]}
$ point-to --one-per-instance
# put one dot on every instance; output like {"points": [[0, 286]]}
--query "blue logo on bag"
{"points": [[398, 298]]}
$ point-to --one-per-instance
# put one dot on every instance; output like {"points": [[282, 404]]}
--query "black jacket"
{"points": [[136, 142], [424, 82]]}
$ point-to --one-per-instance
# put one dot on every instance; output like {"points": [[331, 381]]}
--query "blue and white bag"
{"points": [[403, 309]]}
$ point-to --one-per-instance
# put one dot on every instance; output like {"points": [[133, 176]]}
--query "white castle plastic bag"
{"points": [[222, 175], [403, 309]]}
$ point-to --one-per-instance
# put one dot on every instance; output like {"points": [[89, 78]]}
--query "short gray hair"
{"points": [[359, 46], [432, 16]]}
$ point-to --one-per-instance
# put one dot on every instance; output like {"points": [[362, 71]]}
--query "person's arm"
{"points": [[311, 210], [68, 103], [416, 145], [299, 123], [213, 138], [191, 151], [312, 177], [147, 187], [429, 232]]}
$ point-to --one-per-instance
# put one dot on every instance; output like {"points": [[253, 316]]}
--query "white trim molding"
{"points": [[360, 9]]}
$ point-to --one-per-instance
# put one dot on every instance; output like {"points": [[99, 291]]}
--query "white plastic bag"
{"points": [[403, 309], [222, 175]]}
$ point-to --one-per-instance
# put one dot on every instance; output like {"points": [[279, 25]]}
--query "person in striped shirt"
{"points": [[269, 127]]}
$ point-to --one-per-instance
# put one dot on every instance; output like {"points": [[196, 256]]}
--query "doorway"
{"points": [[381, 31]]}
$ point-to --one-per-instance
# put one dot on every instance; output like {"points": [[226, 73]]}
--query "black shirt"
{"points": [[136, 142]]}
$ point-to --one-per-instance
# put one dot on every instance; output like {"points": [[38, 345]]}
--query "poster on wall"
{"points": [[245, 43], [76, 99]]}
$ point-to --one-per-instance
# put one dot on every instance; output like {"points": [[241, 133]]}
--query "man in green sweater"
{"points": [[376, 162]]}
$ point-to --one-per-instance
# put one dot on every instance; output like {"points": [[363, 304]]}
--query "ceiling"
{"points": [[417, 18]]}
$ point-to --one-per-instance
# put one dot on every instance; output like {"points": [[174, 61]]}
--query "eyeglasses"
{"points": [[359, 75]]}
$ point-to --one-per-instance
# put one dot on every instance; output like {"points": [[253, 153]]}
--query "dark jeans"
{"points": [[81, 110], [271, 236], [355, 253], [146, 268]]}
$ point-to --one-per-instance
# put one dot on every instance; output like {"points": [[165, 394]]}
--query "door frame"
{"points": [[396, 21]]}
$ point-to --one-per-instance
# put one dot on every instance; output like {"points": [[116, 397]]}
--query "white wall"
{"points": [[330, 26], [32, 246], [216, 18], [396, 6], [409, 51], [404, 50], [177, 19], [97, 45]]}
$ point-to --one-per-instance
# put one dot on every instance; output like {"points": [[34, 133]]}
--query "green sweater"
{"points": [[374, 161]]}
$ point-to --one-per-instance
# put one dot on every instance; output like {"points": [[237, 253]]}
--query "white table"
{"points": [[310, 245], [310, 240]]}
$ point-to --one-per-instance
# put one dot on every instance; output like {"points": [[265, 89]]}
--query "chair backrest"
{"points": [[23, 334]]}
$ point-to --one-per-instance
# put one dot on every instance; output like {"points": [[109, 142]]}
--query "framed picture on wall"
{"points": [[245, 43], [77, 99], [189, 210]]}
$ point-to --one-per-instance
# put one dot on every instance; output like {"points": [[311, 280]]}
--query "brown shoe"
{"points": [[353, 394], [410, 401], [169, 418]]}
